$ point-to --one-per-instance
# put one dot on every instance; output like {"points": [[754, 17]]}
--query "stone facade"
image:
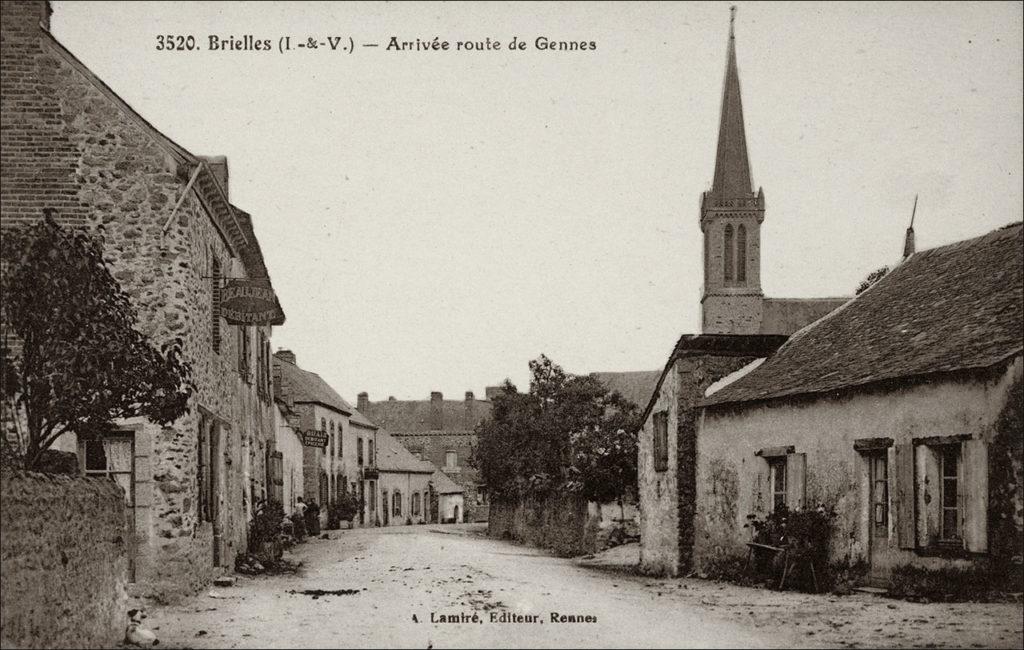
{"points": [[833, 440], [64, 552], [667, 492], [166, 225]]}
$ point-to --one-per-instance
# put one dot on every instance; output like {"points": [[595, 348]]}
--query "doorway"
{"points": [[385, 509], [878, 524], [455, 519]]}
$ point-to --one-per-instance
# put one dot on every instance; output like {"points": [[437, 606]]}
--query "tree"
{"points": [[872, 278], [567, 433], [77, 361]]}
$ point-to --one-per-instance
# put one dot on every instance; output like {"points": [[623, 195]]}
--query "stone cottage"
{"points": [[889, 410], [442, 432], [177, 245], [738, 324]]}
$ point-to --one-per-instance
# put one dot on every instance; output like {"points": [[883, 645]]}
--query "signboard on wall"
{"points": [[314, 438], [248, 302]]}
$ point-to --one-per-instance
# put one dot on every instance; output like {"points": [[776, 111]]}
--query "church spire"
{"points": [[732, 168]]}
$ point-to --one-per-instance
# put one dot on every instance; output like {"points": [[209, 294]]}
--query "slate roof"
{"points": [[635, 386], [414, 416], [361, 420], [444, 485], [305, 386], [947, 309], [392, 456]]}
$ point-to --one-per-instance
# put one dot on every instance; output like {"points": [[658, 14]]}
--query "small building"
{"points": [[365, 433], [403, 484], [892, 410], [450, 507], [440, 431]]}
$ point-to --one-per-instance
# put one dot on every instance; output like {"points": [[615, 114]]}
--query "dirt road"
{"points": [[420, 586]]}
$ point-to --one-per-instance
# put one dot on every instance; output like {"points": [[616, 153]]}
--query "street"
{"points": [[405, 577]]}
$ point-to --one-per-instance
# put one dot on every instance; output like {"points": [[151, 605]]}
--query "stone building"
{"points": [[738, 324], [451, 504], [442, 432], [323, 419], [893, 410], [175, 243], [290, 452]]}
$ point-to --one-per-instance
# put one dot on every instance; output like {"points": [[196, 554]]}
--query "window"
{"points": [[397, 509], [949, 463], [415, 504], [741, 253], [777, 481], [359, 451], [880, 494], [451, 459], [341, 438], [215, 302], [204, 474], [370, 458], [332, 437], [727, 252], [661, 441], [244, 351]]}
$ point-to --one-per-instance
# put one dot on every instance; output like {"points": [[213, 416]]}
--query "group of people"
{"points": [[304, 520]]}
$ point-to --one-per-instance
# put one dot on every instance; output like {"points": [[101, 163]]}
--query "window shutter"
{"points": [[796, 481], [761, 485], [975, 499], [903, 499]]}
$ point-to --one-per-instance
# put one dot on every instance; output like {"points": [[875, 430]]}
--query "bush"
{"points": [[345, 508], [807, 534], [265, 530], [985, 581]]}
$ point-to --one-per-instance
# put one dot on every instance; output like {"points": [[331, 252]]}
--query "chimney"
{"points": [[26, 17], [363, 401], [469, 417], [436, 411], [469, 396], [391, 398], [286, 355], [491, 391], [219, 166]]}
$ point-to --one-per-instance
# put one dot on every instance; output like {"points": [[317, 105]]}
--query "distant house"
{"points": [[450, 506], [286, 470], [404, 484], [888, 409], [442, 432]]}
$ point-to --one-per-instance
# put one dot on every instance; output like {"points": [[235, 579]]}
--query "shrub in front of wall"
{"points": [[984, 581], [805, 534]]}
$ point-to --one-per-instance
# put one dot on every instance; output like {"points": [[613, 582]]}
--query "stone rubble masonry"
{"points": [[668, 497], [64, 553], [68, 143], [562, 523]]}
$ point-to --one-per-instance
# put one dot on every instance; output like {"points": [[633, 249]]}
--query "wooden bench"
{"points": [[787, 564]]}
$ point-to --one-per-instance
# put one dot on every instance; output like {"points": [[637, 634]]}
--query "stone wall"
{"points": [[787, 315], [64, 556], [561, 523], [667, 497]]}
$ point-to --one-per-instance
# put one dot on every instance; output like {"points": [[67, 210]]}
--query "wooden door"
{"points": [[878, 468]]}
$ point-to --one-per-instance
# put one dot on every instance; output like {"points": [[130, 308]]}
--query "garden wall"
{"points": [[561, 523], [64, 561]]}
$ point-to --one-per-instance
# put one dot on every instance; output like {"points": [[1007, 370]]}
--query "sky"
{"points": [[432, 220]]}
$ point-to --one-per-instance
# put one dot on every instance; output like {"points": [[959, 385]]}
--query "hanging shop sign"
{"points": [[248, 302], [314, 438]]}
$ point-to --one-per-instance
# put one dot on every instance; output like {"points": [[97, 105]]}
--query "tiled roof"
{"points": [[414, 416], [361, 420], [393, 457], [636, 386], [305, 386], [947, 309], [444, 485]]}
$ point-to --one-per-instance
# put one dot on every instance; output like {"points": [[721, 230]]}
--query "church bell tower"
{"points": [[731, 213]]}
